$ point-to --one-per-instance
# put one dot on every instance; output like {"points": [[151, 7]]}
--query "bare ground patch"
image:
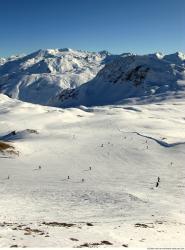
{"points": [[7, 148], [96, 244], [58, 224]]}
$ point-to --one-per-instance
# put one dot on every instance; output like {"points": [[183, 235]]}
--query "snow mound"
{"points": [[17, 135]]}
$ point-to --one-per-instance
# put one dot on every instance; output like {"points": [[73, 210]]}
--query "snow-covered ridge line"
{"points": [[129, 76], [68, 77], [39, 76]]}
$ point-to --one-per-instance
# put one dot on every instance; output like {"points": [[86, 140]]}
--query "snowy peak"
{"points": [[128, 76], [176, 58], [2, 61], [68, 77], [8, 59], [39, 76], [55, 59], [157, 55], [137, 69]]}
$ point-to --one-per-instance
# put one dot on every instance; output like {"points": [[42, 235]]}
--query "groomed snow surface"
{"points": [[113, 156]]}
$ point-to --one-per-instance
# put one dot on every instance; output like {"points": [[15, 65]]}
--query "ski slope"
{"points": [[127, 147]]}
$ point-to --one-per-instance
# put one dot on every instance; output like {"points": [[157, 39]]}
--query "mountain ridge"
{"points": [[43, 76]]}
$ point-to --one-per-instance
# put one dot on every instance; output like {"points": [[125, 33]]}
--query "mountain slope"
{"points": [[129, 76], [127, 148], [67, 78], [9, 59], [41, 75]]}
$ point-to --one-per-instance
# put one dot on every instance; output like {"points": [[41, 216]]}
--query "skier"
{"points": [[68, 177], [83, 180], [90, 168], [158, 180]]}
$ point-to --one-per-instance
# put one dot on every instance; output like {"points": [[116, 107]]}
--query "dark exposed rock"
{"points": [[125, 245], [58, 224], [106, 242], [89, 224], [67, 93], [143, 225], [94, 244], [73, 239]]}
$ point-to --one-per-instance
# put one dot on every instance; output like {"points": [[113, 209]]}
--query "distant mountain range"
{"points": [[69, 78]]}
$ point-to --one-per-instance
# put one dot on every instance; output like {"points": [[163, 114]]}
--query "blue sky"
{"points": [[139, 26]]}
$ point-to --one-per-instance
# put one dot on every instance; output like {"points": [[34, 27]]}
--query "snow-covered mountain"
{"points": [[41, 75], [153, 76], [67, 78], [113, 169], [8, 59]]}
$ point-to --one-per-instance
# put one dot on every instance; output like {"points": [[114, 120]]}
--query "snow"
{"points": [[68, 77], [176, 58], [127, 146], [11, 58], [108, 170], [129, 76], [39, 76]]}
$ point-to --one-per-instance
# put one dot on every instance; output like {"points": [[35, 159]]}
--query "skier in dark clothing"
{"points": [[158, 180]]}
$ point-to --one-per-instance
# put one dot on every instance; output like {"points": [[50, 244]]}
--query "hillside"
{"points": [[67, 78], [114, 157], [103, 164], [41, 75], [130, 78]]}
